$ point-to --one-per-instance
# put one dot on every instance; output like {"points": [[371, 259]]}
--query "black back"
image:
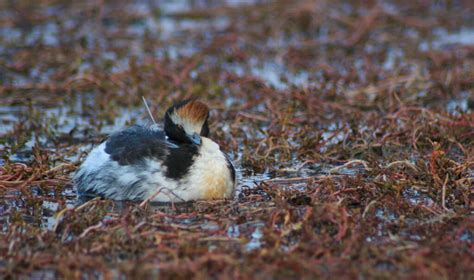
{"points": [[136, 143]]}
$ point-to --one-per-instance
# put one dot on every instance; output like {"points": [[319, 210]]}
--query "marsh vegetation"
{"points": [[351, 124]]}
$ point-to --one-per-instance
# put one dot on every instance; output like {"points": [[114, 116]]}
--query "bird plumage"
{"points": [[178, 164]]}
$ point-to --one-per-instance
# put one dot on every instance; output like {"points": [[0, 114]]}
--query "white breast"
{"points": [[209, 177]]}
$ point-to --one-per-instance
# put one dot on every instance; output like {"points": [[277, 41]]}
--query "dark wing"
{"points": [[136, 143]]}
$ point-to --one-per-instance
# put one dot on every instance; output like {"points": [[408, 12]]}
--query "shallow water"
{"points": [[311, 119]]}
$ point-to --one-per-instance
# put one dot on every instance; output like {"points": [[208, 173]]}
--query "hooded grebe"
{"points": [[179, 164]]}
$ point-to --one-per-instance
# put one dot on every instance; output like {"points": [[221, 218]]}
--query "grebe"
{"points": [[178, 164]]}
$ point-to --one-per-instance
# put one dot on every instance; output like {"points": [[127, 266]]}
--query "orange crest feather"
{"points": [[194, 110]]}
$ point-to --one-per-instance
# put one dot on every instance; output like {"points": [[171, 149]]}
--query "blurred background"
{"points": [[350, 122]]}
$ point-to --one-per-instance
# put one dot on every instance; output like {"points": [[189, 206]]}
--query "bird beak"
{"points": [[195, 138]]}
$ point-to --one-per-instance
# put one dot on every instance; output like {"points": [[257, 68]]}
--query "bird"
{"points": [[178, 164]]}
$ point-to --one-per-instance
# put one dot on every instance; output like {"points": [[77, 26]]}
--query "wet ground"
{"points": [[351, 124]]}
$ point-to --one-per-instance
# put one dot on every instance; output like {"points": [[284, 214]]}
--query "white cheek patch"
{"points": [[188, 125]]}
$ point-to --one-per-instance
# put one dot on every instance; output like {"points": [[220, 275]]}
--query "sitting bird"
{"points": [[178, 164]]}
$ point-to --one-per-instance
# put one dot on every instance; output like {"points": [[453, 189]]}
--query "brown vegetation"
{"points": [[351, 123]]}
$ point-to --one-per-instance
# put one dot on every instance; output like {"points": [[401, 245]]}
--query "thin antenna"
{"points": [[148, 109]]}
